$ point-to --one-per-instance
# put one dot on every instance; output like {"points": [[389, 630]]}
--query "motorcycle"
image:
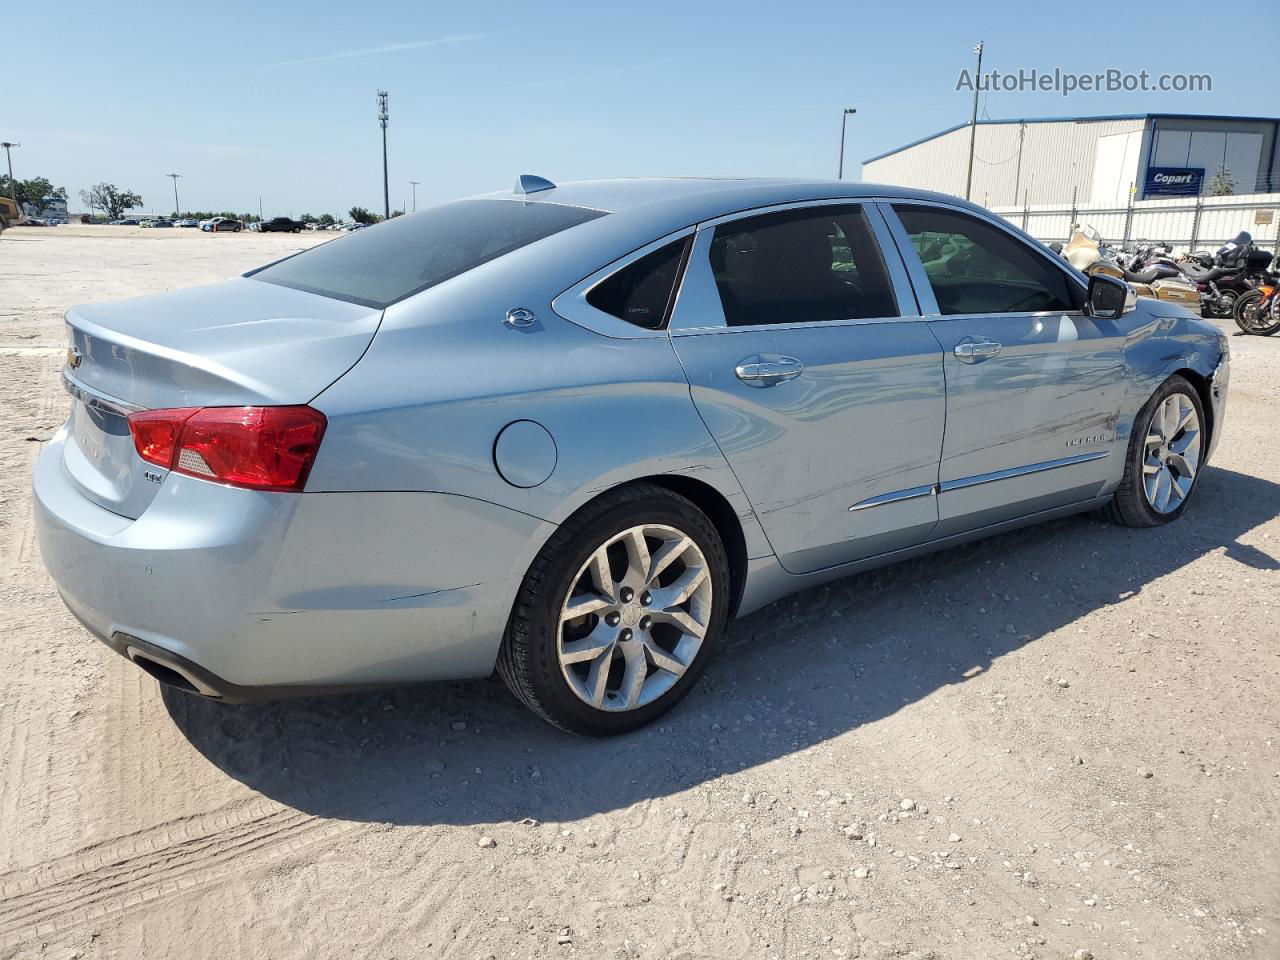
{"points": [[1258, 311], [1224, 278], [1151, 276]]}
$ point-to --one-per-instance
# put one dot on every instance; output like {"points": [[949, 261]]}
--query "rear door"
{"points": [[809, 363], [1034, 386]]}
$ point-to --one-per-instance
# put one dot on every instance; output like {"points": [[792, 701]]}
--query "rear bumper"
{"points": [[260, 595]]}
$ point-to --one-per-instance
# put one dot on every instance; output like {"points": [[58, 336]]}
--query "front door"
{"points": [[1034, 386], [821, 386]]}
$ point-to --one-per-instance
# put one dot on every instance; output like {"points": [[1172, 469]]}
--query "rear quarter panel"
{"points": [[422, 409]]}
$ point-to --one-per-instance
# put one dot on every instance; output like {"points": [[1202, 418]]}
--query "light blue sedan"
{"points": [[567, 432]]}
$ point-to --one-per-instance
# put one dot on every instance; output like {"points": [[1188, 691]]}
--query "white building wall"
{"points": [[1056, 156]]}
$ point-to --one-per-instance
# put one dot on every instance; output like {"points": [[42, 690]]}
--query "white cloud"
{"points": [[386, 48]]}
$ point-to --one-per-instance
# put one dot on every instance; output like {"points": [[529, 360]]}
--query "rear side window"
{"points": [[642, 292], [800, 266], [975, 267], [382, 264]]}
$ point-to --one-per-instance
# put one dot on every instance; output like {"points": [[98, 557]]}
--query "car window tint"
{"points": [[642, 292], [404, 255], [800, 266], [975, 267]]}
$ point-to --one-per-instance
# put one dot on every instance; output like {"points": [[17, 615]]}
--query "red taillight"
{"points": [[262, 448]]}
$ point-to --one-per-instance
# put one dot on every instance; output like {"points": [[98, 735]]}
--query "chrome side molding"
{"points": [[947, 486], [896, 497], [981, 478]]}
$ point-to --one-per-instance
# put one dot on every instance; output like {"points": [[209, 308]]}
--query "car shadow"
{"points": [[805, 669]]}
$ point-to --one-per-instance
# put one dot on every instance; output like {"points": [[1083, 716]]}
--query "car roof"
{"points": [[703, 198]]}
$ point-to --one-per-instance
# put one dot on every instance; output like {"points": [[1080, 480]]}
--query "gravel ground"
{"points": [[1061, 742]]}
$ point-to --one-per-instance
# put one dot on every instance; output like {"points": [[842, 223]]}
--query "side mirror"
{"points": [[1108, 297]]}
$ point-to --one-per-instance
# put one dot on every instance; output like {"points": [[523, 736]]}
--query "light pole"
{"points": [[177, 208], [973, 124], [13, 184], [843, 118], [382, 120], [414, 184]]}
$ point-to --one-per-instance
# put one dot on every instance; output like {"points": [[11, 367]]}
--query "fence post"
{"points": [[1128, 215], [1195, 225], [1026, 212]]}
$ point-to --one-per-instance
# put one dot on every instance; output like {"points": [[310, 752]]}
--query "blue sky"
{"points": [[278, 100]]}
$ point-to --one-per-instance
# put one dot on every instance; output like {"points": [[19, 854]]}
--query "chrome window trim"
{"points": [[572, 304], [947, 486], [920, 279], [703, 298], [101, 401]]}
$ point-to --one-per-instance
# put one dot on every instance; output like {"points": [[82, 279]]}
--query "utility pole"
{"points": [[13, 184], [973, 124], [382, 120], [843, 117], [414, 184], [177, 210]]}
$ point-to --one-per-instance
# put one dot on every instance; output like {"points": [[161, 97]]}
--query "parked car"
{"points": [[187, 222], [224, 225], [570, 437], [161, 222], [129, 222], [281, 225]]}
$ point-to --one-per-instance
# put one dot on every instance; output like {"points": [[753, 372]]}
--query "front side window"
{"points": [[800, 266], [405, 255], [643, 291], [975, 267]]}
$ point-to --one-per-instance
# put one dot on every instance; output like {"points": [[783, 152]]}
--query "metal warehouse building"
{"points": [[1089, 160]]}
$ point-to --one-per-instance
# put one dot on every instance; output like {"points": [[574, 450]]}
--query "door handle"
{"points": [[766, 371], [971, 351]]}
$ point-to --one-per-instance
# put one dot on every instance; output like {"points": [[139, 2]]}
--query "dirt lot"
{"points": [[1061, 740]]}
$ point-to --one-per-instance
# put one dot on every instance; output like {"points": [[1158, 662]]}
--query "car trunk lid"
{"points": [[236, 343]]}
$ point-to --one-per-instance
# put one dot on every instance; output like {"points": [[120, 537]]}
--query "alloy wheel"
{"points": [[634, 618], [1172, 455]]}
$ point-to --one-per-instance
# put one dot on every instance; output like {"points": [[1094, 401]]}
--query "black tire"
{"points": [[1129, 506], [1247, 318], [528, 661]]}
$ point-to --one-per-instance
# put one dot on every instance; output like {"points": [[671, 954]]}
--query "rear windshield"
{"points": [[379, 265]]}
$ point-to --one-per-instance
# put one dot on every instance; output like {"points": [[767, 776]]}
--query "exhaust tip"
{"points": [[170, 674]]}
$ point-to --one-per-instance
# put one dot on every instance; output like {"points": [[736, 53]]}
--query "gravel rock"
{"points": [[1144, 773], [487, 843], [907, 805]]}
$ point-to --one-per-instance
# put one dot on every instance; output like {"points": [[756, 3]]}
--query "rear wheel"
{"points": [[1166, 451], [619, 613]]}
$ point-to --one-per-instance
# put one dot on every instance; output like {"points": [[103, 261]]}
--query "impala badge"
{"points": [[73, 357], [1080, 441]]}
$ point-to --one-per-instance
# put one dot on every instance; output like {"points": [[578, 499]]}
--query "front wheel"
{"points": [[1166, 452], [619, 614], [1254, 316]]}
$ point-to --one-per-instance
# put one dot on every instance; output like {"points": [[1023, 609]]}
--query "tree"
{"points": [[361, 215], [327, 219], [33, 192], [110, 199], [1221, 184], [307, 218]]}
